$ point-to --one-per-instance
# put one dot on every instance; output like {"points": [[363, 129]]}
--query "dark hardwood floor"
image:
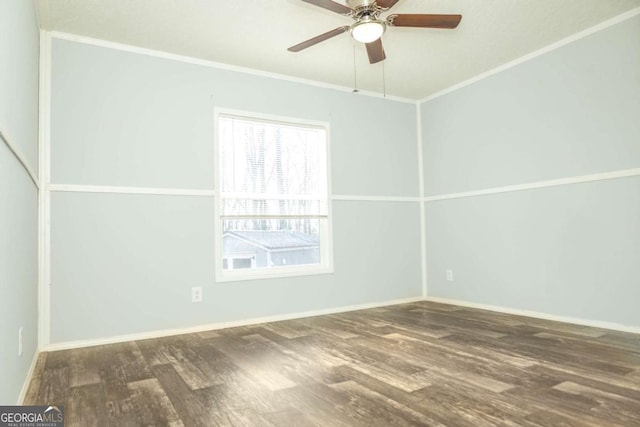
{"points": [[411, 364]]}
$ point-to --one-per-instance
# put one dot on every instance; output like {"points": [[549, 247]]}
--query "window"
{"points": [[272, 204]]}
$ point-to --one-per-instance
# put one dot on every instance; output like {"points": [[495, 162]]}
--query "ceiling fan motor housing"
{"points": [[355, 4]]}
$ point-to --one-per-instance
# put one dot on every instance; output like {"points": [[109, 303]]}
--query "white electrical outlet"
{"points": [[449, 275], [196, 294], [20, 339]]}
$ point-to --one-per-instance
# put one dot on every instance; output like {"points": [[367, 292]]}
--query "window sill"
{"points": [[272, 273]]}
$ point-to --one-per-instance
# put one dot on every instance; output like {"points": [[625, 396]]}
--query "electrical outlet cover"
{"points": [[196, 294]]}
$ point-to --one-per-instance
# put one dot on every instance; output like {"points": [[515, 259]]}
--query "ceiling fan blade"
{"points": [[375, 51], [318, 39], [424, 21], [331, 5], [386, 4]]}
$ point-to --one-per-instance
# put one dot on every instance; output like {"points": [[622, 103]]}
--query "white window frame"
{"points": [[326, 236]]}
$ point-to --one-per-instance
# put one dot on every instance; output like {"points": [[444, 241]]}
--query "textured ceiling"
{"points": [[256, 34]]}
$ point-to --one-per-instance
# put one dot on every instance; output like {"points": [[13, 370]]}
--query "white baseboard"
{"points": [[222, 325], [539, 315], [27, 380], [301, 315]]}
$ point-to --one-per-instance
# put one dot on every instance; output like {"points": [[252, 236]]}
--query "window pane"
{"points": [[273, 196], [272, 242], [274, 159]]}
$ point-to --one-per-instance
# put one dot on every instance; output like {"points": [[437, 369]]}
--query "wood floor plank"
{"points": [[381, 409], [249, 356], [321, 405], [190, 408], [83, 369], [152, 406], [85, 406], [469, 407], [193, 369], [545, 418], [410, 400], [417, 364], [291, 417], [36, 380], [55, 386]]}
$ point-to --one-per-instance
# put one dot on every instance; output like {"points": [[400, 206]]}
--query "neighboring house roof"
{"points": [[271, 240]]}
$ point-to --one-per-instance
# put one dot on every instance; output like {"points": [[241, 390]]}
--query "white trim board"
{"points": [[27, 380], [223, 325], [352, 198], [44, 195], [72, 188], [19, 156], [577, 36], [539, 184], [423, 216], [212, 64], [129, 190], [538, 315], [624, 173]]}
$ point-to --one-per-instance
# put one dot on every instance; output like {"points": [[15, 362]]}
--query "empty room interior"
{"points": [[321, 213]]}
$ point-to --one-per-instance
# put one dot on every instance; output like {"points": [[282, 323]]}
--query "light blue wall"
{"points": [[571, 250], [18, 195], [19, 40], [125, 119], [125, 264], [572, 111], [567, 250]]}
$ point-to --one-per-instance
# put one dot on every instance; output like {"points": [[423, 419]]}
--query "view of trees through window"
{"points": [[273, 191]]}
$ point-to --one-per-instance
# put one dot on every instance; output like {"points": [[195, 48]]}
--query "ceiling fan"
{"points": [[369, 27]]}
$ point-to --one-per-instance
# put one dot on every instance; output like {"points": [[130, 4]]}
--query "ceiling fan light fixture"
{"points": [[367, 30], [368, 26]]}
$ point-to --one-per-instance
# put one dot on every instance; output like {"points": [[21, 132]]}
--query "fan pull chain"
{"points": [[355, 74], [384, 82]]}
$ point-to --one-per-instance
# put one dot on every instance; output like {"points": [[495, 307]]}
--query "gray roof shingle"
{"points": [[277, 239]]}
